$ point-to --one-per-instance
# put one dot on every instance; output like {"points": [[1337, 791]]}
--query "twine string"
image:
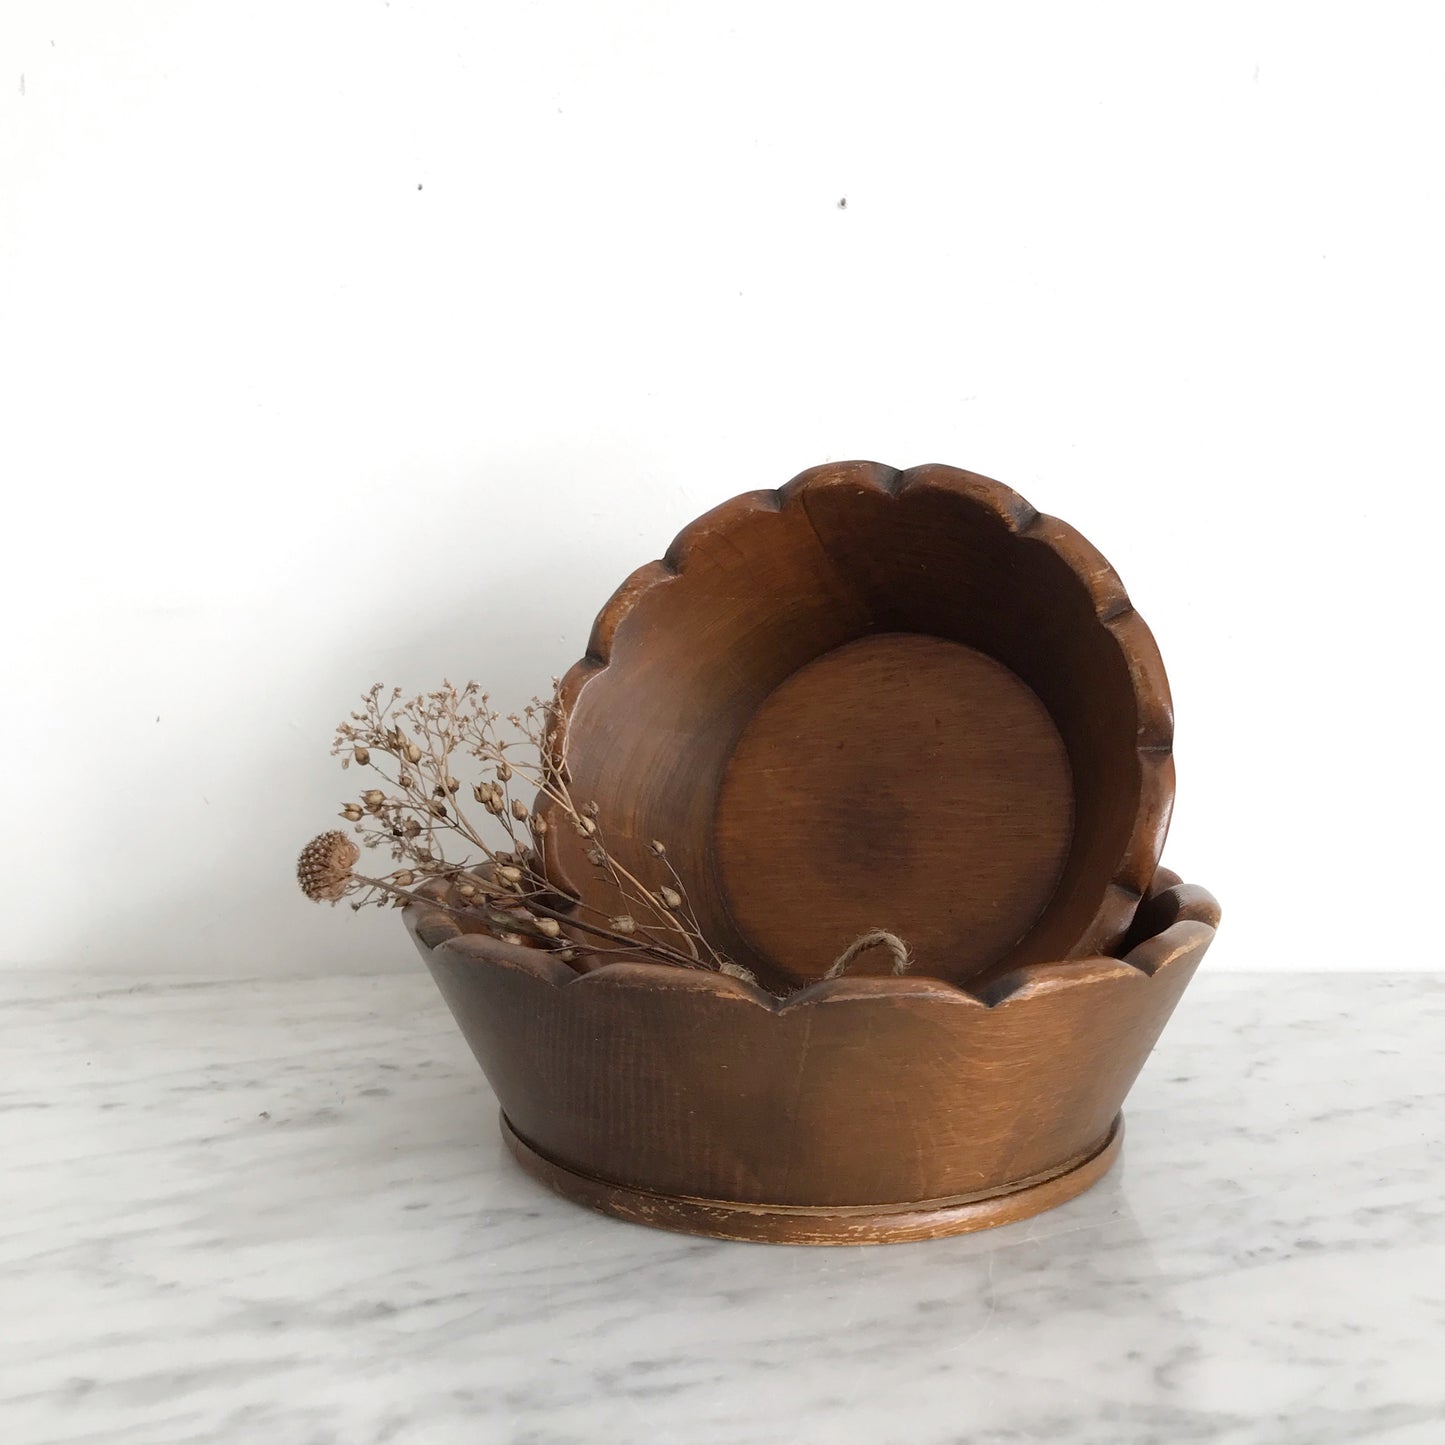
{"points": [[874, 938]]}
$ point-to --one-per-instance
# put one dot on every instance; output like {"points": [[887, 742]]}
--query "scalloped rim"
{"points": [[1194, 912], [1113, 611]]}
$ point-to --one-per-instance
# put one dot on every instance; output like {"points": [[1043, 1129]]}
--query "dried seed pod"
{"points": [[671, 898], [656, 848], [591, 809], [539, 826], [373, 798], [586, 827], [324, 868], [549, 927], [361, 755], [467, 890], [351, 813], [597, 858], [511, 874], [452, 784], [404, 879], [504, 770], [624, 923], [411, 828], [413, 753], [437, 810], [519, 810], [512, 938]]}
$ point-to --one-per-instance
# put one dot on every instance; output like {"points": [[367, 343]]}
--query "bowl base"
{"points": [[852, 750], [796, 1224]]}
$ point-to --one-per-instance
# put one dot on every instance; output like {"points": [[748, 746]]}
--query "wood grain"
{"points": [[958, 850], [778, 621], [762, 1224], [867, 1095], [869, 699]]}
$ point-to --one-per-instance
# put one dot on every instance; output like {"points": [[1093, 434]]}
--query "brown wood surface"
{"points": [[763, 1224], [871, 844], [877, 699], [870, 1096]]}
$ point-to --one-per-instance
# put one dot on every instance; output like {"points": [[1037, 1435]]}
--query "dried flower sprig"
{"points": [[417, 812]]}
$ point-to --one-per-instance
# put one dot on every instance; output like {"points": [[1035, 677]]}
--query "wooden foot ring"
{"points": [[795, 1224]]}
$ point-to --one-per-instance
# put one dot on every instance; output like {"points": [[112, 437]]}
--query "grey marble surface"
{"points": [[280, 1212]]}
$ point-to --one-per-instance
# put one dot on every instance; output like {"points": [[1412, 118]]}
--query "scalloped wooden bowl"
{"points": [[877, 699], [859, 1110]]}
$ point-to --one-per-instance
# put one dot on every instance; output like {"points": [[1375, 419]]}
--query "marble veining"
{"points": [[280, 1212]]}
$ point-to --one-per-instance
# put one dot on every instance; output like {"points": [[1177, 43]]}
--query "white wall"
{"points": [[350, 341]]}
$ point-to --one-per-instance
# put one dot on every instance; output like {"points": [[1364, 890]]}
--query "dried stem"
{"points": [[427, 754]]}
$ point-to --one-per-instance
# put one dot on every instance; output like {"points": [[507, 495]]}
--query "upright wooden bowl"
{"points": [[859, 1110], [877, 700]]}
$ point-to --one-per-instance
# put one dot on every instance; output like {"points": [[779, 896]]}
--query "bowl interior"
{"points": [[853, 705]]}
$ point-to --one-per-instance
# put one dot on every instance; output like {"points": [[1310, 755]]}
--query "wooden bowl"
{"points": [[859, 1110], [877, 700]]}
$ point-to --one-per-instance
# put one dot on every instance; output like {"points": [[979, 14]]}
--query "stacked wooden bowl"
{"points": [[869, 700]]}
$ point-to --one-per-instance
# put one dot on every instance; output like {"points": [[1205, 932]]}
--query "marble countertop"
{"points": [[281, 1212]]}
